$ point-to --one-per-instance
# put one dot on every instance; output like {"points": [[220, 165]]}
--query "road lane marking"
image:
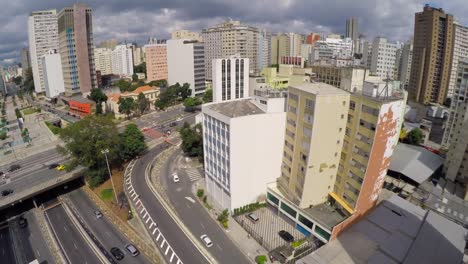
{"points": [[151, 225], [157, 239], [38, 254], [142, 209], [167, 249], [137, 202], [66, 230], [162, 243], [172, 256], [202, 225], [75, 245], [147, 220], [178, 261], [145, 215], [154, 231], [190, 199], [134, 198]]}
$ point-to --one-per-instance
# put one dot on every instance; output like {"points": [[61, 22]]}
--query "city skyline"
{"points": [[131, 20]]}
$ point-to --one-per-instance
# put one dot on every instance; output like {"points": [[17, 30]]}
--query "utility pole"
{"points": [[105, 151]]}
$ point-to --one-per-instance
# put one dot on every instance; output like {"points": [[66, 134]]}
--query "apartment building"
{"points": [[350, 79], [329, 48], [53, 76], [230, 79], [42, 36], [103, 60], [156, 62], [352, 30], [337, 151], [25, 61], [228, 39], [383, 58], [185, 34], [459, 52], [122, 60], [264, 49], [186, 64], [405, 63], [242, 144], [432, 51], [75, 29], [280, 47]]}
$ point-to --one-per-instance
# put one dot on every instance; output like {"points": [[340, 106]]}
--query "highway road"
{"points": [[6, 252], [180, 243], [195, 217], [76, 248], [102, 228]]}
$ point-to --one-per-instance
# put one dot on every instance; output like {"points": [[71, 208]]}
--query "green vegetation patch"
{"points": [[107, 194]]}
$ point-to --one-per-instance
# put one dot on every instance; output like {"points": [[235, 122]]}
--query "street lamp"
{"points": [[105, 151]]}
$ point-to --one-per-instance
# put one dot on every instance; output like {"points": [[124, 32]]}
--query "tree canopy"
{"points": [[192, 102], [192, 140], [126, 105], [28, 80], [140, 68], [208, 96], [98, 97], [132, 142], [414, 137], [142, 103], [173, 95]]}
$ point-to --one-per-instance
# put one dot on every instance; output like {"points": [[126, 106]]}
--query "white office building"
{"points": [[103, 60], [122, 60], [43, 36], [383, 58], [53, 75], [264, 49], [230, 79], [460, 52], [186, 64], [405, 63], [243, 148]]}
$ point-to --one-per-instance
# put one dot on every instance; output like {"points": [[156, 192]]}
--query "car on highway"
{"points": [[132, 249], [22, 222], [60, 167], [117, 253], [175, 177], [206, 240], [14, 167], [286, 236], [98, 214], [7, 192], [53, 166]]}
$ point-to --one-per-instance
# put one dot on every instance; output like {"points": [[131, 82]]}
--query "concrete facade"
{"points": [[103, 60], [43, 36], [230, 79], [405, 65], [156, 62], [383, 58], [122, 61], [53, 76], [460, 52], [264, 49], [185, 34]]}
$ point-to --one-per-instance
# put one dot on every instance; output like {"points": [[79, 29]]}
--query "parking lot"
{"points": [[266, 229]]}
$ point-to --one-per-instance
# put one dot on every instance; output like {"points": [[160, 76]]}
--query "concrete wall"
{"points": [[180, 64], [218, 81], [53, 76]]}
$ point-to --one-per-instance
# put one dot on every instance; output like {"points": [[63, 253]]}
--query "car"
{"points": [[14, 167], [98, 214], [53, 166], [22, 222], [175, 177], [173, 124], [206, 240], [117, 253], [60, 167], [7, 192], [286, 236], [179, 119], [132, 249], [253, 217]]}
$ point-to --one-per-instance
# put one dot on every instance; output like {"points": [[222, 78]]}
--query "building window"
{"points": [[321, 232], [305, 221], [272, 198], [288, 210]]}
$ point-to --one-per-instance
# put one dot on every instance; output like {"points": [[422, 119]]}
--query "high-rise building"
{"points": [[25, 60], [103, 60], [122, 60], [43, 36], [230, 79], [53, 77], [185, 34], [264, 49], [454, 125], [280, 47], [156, 62], [138, 56], [295, 42], [352, 31], [460, 52], [456, 163], [337, 151], [383, 58], [228, 39], [75, 28], [186, 64], [432, 51], [405, 63]]}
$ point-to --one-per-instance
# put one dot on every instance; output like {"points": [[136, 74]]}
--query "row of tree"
{"points": [[86, 139], [173, 95], [130, 106], [192, 140]]}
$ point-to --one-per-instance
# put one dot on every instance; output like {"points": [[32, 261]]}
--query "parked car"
{"points": [[253, 217], [14, 167], [173, 124], [98, 214], [132, 249], [179, 119], [7, 192], [53, 166], [22, 222], [206, 240], [286, 236], [117, 253], [175, 177]]}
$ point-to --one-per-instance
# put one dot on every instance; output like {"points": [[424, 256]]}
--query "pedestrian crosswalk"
{"points": [[193, 174]]}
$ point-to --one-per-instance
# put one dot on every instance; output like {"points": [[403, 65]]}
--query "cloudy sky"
{"points": [[137, 20]]}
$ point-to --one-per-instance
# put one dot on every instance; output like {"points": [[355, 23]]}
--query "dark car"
{"points": [[7, 192], [14, 167], [286, 236], [22, 222], [117, 253], [173, 124], [53, 166]]}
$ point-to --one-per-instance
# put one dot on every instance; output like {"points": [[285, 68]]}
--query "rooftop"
{"points": [[319, 88], [236, 108], [416, 163], [326, 215], [396, 231]]}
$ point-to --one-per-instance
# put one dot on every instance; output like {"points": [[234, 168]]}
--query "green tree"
{"points": [[192, 140], [142, 103], [28, 80], [141, 68], [17, 80], [132, 142], [134, 77], [414, 137], [158, 83], [126, 105], [123, 85], [184, 91], [192, 102], [98, 97], [208, 96]]}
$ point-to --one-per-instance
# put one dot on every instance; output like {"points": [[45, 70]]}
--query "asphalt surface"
{"points": [[76, 248], [195, 217], [180, 243], [102, 228], [6, 252]]}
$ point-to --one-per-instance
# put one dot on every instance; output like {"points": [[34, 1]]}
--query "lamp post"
{"points": [[105, 151]]}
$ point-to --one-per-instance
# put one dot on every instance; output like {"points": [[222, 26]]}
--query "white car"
{"points": [[175, 177], [179, 119], [206, 240]]}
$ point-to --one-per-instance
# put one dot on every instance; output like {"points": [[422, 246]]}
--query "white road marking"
{"points": [[147, 220], [190, 199], [38, 254], [134, 198], [172, 256], [151, 225], [66, 230], [167, 250], [162, 243], [178, 261], [75, 245], [137, 202], [157, 238], [154, 231], [143, 209]]}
